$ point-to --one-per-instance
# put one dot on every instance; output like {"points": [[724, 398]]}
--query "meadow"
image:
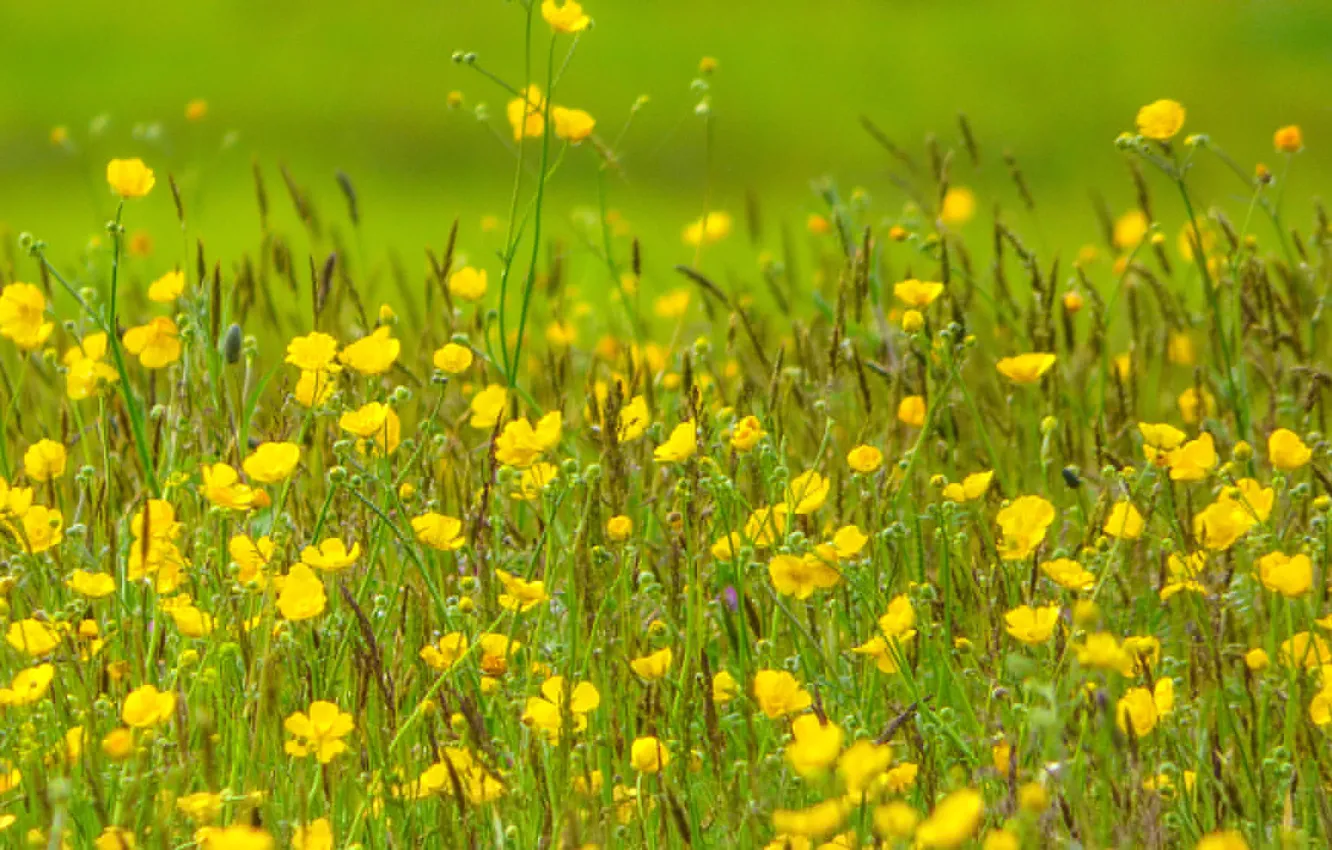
{"points": [[983, 508]]}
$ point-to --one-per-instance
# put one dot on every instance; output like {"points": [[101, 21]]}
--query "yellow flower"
{"points": [[800, 576], [864, 459], [313, 352], [1257, 660], [374, 354], [496, 650], [807, 492], [1101, 651], [42, 529], [679, 446], [619, 528], [917, 293], [272, 462], [959, 205], [222, 486], [445, 652], [200, 807], [911, 411], [1002, 839], [953, 821], [129, 178], [1291, 576], [374, 422], [487, 406], [1160, 439], [313, 388], [478, 785], [44, 460], [439, 531], [1137, 710], [779, 694], [1191, 461], [320, 732], [1287, 451], [156, 344], [1025, 368], [316, 835], [23, 316], [1130, 229], [887, 652], [648, 755], [331, 555], [571, 125], [1288, 139], [32, 637], [1032, 625], [1221, 523], [654, 666], [536, 478], [251, 556], [302, 595], [1024, 523], [712, 227], [453, 358], [546, 712], [92, 585], [1124, 521], [848, 541], [520, 594], [817, 821], [566, 17], [815, 747], [1194, 405], [1160, 120], [28, 686], [115, 838], [167, 288], [724, 687], [1304, 649], [1068, 574], [519, 445], [118, 744], [746, 433], [526, 115], [146, 706], [84, 362], [971, 488], [1226, 839], [862, 763], [895, 820]]}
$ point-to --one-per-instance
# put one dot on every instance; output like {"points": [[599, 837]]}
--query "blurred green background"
{"points": [[363, 87]]}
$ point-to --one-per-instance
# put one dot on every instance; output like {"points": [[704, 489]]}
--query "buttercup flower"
{"points": [[565, 17], [1025, 368], [1160, 120], [23, 316], [272, 462], [129, 178], [320, 732], [156, 344]]}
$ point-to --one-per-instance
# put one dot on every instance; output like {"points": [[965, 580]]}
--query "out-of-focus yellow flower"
{"points": [[815, 747], [167, 288], [1032, 625], [915, 293], [679, 446], [129, 178], [438, 531], [1130, 229], [1124, 521], [864, 459], [1288, 139], [44, 460], [1289, 575], [972, 487], [572, 125], [1025, 368], [526, 115], [566, 17], [911, 411], [520, 594], [146, 706], [712, 227], [313, 352], [746, 433], [779, 694], [648, 755], [958, 207], [487, 406], [453, 358], [1160, 120], [954, 820], [653, 666]]}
